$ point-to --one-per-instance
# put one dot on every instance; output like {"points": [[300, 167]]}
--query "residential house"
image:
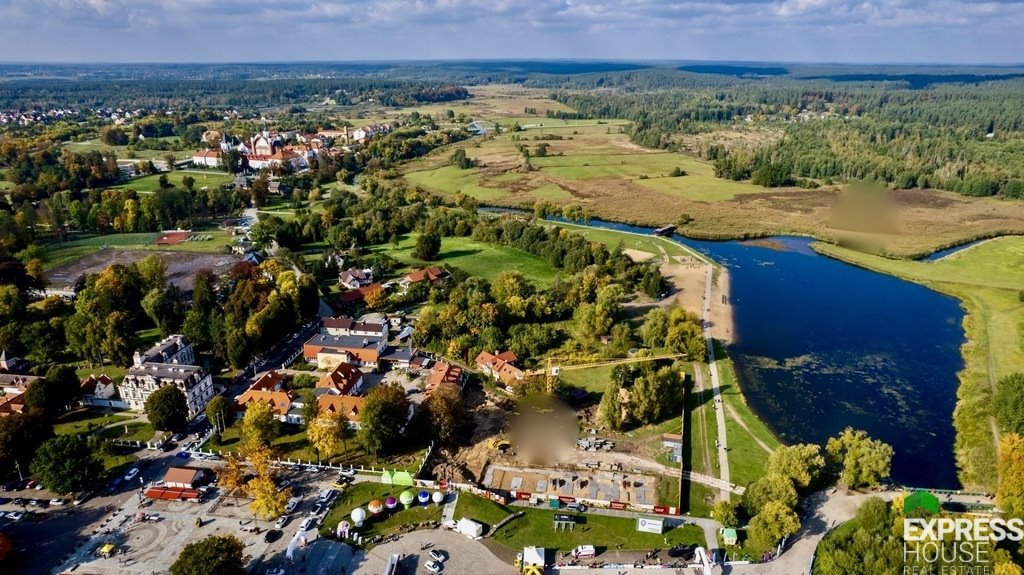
{"points": [[345, 379], [354, 278], [14, 383], [500, 366], [356, 295], [277, 187], [292, 159], [143, 380], [286, 405], [330, 350], [11, 364], [11, 403], [350, 407], [97, 390], [172, 349], [360, 135], [399, 357], [349, 326], [207, 158], [444, 373], [432, 274], [269, 381]]}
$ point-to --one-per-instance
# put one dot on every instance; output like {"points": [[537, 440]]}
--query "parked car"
{"points": [[15, 485], [15, 515], [83, 497], [438, 555], [279, 571], [31, 484], [132, 474], [284, 485], [4, 500], [272, 535], [38, 502], [282, 521], [18, 501], [311, 469], [57, 501], [177, 437], [39, 487], [326, 495], [307, 524], [317, 509], [574, 506], [434, 567], [292, 504]]}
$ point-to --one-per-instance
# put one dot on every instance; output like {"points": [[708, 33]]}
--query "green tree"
{"points": [[153, 271], [21, 434], [774, 522], [259, 425], [865, 462], [119, 338], [215, 555], [165, 306], [802, 463], [655, 328], [310, 408], [167, 408], [65, 464], [656, 396], [220, 412], [1008, 403], [725, 513], [772, 487], [609, 412], [1010, 489], [383, 418], [55, 393], [445, 409], [428, 246]]}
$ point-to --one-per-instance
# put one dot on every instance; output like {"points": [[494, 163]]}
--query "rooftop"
{"points": [[174, 371], [347, 341]]}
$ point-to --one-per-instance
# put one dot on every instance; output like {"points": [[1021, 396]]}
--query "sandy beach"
{"points": [[687, 276]]}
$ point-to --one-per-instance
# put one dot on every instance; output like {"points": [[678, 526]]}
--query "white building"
{"points": [[172, 349], [207, 158], [143, 380]]}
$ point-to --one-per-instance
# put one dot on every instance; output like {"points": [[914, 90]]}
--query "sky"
{"points": [[860, 31]]}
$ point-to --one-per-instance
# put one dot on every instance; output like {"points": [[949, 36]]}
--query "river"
{"points": [[821, 345]]}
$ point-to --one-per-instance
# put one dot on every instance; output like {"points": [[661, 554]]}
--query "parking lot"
{"points": [[463, 555]]}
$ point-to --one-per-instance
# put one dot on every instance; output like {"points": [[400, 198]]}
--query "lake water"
{"points": [[822, 345]]}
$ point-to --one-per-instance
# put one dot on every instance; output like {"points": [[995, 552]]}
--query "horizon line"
{"points": [[647, 61]]}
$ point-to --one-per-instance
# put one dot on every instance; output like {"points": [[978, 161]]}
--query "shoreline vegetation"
{"points": [[985, 282]]}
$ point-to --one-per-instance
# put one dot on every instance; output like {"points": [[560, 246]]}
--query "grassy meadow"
{"points": [[988, 279], [151, 183], [475, 258]]}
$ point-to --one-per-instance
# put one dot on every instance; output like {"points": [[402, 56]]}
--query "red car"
{"points": [[31, 484]]}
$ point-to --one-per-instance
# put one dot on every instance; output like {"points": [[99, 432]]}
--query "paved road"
{"points": [[716, 390], [465, 556]]}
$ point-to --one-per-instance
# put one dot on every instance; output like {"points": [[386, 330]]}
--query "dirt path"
{"points": [[705, 448], [736, 417]]}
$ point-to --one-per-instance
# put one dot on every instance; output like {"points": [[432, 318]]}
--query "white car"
{"points": [[282, 521], [276, 571], [317, 509], [57, 501], [292, 504], [132, 474], [437, 556], [15, 515], [307, 524], [434, 567], [83, 497]]}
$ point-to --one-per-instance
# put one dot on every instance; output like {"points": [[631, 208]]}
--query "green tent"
{"points": [[402, 478], [730, 537], [387, 478]]}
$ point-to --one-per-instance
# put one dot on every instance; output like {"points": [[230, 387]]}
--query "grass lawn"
{"points": [[451, 179], [601, 531], [701, 500], [645, 243], [476, 258], [134, 431], [746, 457], [122, 151], [667, 491], [593, 379], [484, 511], [114, 372], [85, 420], [987, 279], [151, 182], [360, 494], [58, 254]]}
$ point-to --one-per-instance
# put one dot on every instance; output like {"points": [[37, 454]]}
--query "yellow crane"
{"points": [[552, 370]]}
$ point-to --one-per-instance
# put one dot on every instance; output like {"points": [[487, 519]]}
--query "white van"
{"points": [[584, 552], [326, 495]]}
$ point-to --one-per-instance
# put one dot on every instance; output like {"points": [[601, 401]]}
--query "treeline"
{"points": [[154, 93]]}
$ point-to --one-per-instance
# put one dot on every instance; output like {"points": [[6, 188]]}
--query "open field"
{"points": [[651, 244], [987, 279], [70, 262], [151, 183], [85, 420], [475, 258], [602, 531], [614, 179], [122, 151]]}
